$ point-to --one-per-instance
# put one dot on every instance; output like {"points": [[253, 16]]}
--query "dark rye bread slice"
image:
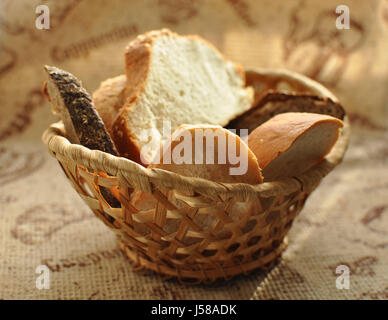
{"points": [[75, 107], [273, 103], [82, 123]]}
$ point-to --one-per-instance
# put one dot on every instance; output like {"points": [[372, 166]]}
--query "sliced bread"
{"points": [[81, 120], [181, 79], [293, 142], [202, 150], [109, 99], [210, 152], [75, 107], [273, 102]]}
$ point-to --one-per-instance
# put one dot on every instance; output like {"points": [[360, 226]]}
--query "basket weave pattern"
{"points": [[245, 227]]}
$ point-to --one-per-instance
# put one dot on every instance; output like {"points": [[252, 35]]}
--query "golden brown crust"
{"points": [[137, 60], [124, 142], [109, 99], [216, 172], [278, 134], [44, 91]]}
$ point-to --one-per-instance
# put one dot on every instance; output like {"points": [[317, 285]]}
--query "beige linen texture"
{"points": [[42, 219]]}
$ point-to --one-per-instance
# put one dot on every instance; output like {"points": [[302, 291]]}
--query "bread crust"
{"points": [[82, 122], [109, 99], [216, 172], [125, 142], [273, 102], [138, 60], [137, 65], [278, 135], [146, 202], [75, 106]]}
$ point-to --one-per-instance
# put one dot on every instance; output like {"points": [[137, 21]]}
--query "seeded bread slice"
{"points": [[181, 79], [75, 107], [82, 123]]}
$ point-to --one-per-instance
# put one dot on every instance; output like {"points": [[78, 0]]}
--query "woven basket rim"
{"points": [[123, 168]]}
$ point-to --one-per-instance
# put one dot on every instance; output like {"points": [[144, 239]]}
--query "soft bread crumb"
{"points": [[160, 65]]}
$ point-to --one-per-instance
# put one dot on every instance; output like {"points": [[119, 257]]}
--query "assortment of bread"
{"points": [[186, 81]]}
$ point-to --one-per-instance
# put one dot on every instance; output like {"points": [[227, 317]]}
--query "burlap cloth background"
{"points": [[42, 219]]}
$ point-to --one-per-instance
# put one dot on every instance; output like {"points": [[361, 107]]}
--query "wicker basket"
{"points": [[226, 248]]}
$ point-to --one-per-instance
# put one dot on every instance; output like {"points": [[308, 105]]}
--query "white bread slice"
{"points": [[109, 99], [219, 172], [293, 142], [182, 79]]}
